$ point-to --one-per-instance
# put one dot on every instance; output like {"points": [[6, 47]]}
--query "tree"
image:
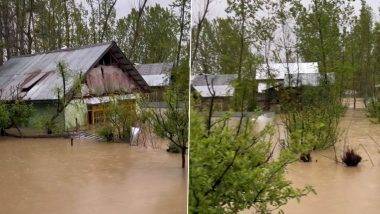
{"points": [[231, 171], [172, 122], [120, 116], [157, 37], [69, 91], [19, 114], [197, 31], [318, 31]]}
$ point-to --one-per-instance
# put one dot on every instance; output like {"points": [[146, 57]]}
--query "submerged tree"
{"points": [[172, 122], [231, 171]]}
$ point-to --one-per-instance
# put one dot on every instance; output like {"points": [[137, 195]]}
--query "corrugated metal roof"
{"points": [[216, 90], [155, 74], [310, 79], [219, 85], [278, 70], [215, 79], [157, 80], [16, 70], [154, 68]]}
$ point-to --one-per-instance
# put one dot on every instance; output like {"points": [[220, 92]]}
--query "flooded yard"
{"points": [[341, 189], [50, 176]]}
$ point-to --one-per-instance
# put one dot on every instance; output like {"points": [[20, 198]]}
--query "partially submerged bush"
{"points": [[373, 109], [120, 116], [107, 133], [351, 158], [311, 117], [306, 157], [4, 118]]}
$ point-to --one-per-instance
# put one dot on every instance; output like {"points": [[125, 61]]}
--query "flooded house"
{"points": [[105, 73], [275, 76], [214, 86], [289, 75], [286, 74], [158, 77], [269, 81]]}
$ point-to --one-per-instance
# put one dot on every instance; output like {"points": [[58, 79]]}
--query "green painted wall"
{"points": [[77, 109], [44, 111]]}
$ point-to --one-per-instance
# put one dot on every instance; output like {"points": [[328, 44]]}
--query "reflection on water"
{"points": [[50, 176]]}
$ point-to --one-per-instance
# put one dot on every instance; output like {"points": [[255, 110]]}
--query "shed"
{"points": [[216, 86], [157, 76]]}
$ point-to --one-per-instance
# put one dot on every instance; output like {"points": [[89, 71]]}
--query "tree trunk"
{"points": [[183, 154], [136, 30], [182, 27]]}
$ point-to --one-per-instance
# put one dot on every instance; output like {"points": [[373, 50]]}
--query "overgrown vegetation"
{"points": [[373, 109], [172, 122], [311, 117], [147, 34], [232, 171], [14, 114], [107, 132]]}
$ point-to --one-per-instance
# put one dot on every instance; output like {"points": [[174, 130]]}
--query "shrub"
{"points": [[107, 133], [4, 118], [311, 118], [351, 158], [373, 109], [120, 116]]}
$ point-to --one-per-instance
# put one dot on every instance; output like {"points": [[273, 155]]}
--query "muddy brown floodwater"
{"points": [[50, 176], [340, 189]]}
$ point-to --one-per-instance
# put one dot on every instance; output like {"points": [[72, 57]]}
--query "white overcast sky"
{"points": [[217, 8], [124, 7]]}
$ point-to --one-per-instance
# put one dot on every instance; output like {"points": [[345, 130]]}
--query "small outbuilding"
{"points": [[214, 86], [158, 77]]}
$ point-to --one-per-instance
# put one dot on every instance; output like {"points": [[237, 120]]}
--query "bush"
{"points": [[373, 109], [311, 117], [4, 118], [351, 158], [107, 133]]}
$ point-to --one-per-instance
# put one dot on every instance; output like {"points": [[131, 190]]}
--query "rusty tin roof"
{"points": [[37, 77]]}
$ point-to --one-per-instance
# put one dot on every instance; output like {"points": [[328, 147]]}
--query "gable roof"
{"points": [[216, 79], [156, 74], [219, 84], [279, 70], [41, 70]]}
